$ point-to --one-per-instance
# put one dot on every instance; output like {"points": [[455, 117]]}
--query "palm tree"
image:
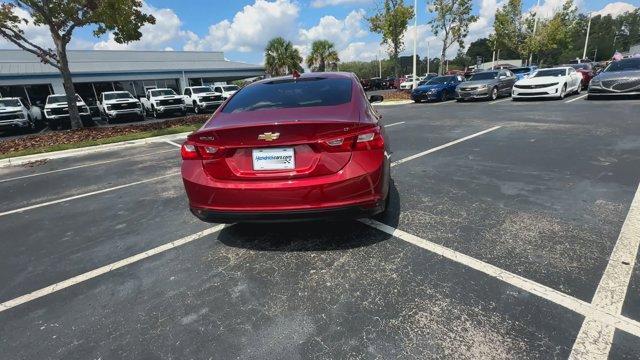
{"points": [[281, 58], [323, 53]]}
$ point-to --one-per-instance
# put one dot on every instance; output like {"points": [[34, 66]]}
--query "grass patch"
{"points": [[107, 140]]}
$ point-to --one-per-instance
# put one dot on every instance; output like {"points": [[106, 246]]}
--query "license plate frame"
{"points": [[273, 159]]}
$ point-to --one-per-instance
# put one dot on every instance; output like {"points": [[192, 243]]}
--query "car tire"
{"points": [[155, 112], [579, 89], [196, 109], [494, 94], [184, 112], [563, 92]]}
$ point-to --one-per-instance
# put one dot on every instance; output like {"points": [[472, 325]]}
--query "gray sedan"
{"points": [[486, 85], [619, 78]]}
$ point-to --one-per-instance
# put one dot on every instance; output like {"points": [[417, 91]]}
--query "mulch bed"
{"points": [[397, 95], [89, 134]]}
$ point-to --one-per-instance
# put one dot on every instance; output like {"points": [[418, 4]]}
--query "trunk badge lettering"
{"points": [[269, 136]]}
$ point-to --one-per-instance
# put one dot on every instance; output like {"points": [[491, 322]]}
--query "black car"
{"points": [[377, 83]]}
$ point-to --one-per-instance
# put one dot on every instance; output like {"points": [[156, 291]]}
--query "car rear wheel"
{"points": [[196, 109], [155, 112]]}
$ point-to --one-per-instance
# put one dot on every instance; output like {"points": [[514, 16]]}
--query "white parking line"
{"points": [[80, 196], [595, 339], [581, 307], [442, 103], [83, 166], [409, 158], [173, 143], [576, 99], [499, 101], [394, 124], [107, 268]]}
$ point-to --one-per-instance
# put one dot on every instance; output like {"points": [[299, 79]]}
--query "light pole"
{"points": [[535, 28], [428, 58], [415, 41], [586, 41], [379, 64]]}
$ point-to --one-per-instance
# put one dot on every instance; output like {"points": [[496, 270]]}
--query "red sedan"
{"points": [[587, 71], [289, 148]]}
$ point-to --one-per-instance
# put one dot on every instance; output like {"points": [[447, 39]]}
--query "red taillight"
{"points": [[369, 139], [189, 152], [193, 151]]}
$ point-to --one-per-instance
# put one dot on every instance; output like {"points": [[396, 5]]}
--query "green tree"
{"points": [[509, 28], [281, 58], [480, 48], [123, 18], [554, 35], [452, 19], [391, 21], [323, 53]]}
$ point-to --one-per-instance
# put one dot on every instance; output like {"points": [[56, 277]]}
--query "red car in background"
{"points": [[289, 148], [587, 71]]}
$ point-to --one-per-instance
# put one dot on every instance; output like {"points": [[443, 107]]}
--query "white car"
{"points": [[408, 82], [163, 101], [225, 90], [14, 114], [548, 83], [115, 105], [56, 111], [202, 98]]}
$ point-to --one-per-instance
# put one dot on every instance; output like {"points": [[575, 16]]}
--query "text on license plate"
{"points": [[274, 159]]}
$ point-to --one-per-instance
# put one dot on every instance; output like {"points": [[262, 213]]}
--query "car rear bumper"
{"points": [[358, 190], [227, 217]]}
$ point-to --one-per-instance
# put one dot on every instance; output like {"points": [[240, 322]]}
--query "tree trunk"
{"points": [[443, 54], [69, 89]]}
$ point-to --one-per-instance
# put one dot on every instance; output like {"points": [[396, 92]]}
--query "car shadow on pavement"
{"points": [[310, 235]]}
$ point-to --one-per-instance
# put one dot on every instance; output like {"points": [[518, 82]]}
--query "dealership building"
{"points": [[23, 75]]}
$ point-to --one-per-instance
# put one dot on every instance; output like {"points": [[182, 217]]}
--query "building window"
{"points": [[14, 91], [195, 82], [85, 90], [38, 93], [125, 86], [102, 87], [172, 84]]}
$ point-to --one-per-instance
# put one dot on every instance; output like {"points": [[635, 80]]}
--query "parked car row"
{"points": [[112, 106], [619, 78]]}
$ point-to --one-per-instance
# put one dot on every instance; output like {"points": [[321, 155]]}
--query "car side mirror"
{"points": [[376, 98]]}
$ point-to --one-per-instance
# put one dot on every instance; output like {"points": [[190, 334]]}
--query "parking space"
{"points": [[507, 214]]}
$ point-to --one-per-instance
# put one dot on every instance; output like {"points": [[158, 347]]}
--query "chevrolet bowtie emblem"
{"points": [[269, 136]]}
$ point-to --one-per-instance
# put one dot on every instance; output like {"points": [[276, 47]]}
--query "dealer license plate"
{"points": [[274, 159]]}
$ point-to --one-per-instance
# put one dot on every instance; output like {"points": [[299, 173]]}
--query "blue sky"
{"points": [[241, 28]]}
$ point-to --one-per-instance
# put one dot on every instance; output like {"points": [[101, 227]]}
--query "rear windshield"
{"points": [[10, 103], [200, 90], [484, 76], [551, 72], [521, 70], [290, 93], [163, 92], [582, 66], [624, 65], [54, 99], [441, 80], [117, 95]]}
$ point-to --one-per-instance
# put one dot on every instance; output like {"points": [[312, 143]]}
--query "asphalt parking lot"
{"points": [[512, 234]]}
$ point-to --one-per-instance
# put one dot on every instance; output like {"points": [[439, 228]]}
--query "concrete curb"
{"points": [[392, 103], [21, 160]]}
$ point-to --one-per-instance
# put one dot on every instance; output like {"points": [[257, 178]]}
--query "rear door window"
{"points": [[290, 93]]}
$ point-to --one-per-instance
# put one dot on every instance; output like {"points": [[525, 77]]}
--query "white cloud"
{"points": [[251, 28], [165, 31], [324, 3], [340, 32], [362, 51], [38, 35], [484, 25], [615, 9]]}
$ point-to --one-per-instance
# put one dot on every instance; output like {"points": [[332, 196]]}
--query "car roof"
{"points": [[9, 98], [329, 75]]}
